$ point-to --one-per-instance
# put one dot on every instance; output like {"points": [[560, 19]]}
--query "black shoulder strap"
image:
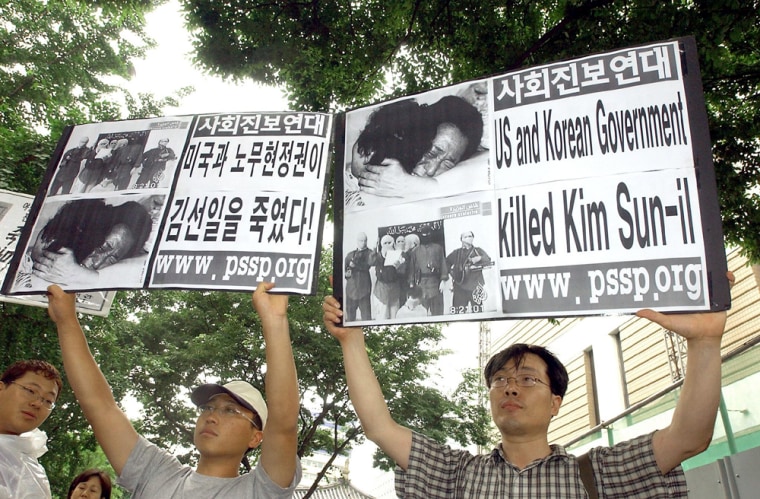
{"points": [[587, 476]]}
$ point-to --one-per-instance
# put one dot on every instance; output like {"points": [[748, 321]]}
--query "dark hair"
{"points": [[554, 368], [73, 227], [461, 114], [21, 367], [105, 482], [398, 130], [82, 225], [136, 217], [404, 130]]}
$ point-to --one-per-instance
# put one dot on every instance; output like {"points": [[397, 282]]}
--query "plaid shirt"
{"points": [[627, 470]]}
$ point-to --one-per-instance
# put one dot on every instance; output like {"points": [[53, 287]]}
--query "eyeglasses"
{"points": [[523, 380], [225, 411], [33, 395]]}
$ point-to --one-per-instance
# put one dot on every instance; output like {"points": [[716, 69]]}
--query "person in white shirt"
{"points": [[28, 392]]}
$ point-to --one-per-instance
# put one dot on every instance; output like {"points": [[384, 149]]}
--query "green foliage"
{"points": [[56, 55], [336, 55], [56, 59], [24, 159], [469, 402]]}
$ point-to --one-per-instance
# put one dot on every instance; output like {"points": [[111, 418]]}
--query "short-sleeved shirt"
{"points": [[626, 470], [151, 472]]}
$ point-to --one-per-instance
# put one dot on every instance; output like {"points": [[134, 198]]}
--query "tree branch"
{"points": [[573, 13]]}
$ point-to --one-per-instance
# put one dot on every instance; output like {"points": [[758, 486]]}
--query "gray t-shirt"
{"points": [[151, 472]]}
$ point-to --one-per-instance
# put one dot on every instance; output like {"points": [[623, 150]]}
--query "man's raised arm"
{"points": [[364, 389], [111, 426], [691, 428], [278, 449]]}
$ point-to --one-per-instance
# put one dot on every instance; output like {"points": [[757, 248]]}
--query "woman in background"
{"points": [[90, 484]]}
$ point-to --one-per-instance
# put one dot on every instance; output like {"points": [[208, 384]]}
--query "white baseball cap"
{"points": [[243, 393]]}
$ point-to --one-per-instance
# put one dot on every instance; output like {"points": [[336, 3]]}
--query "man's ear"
{"points": [[256, 439], [556, 403]]}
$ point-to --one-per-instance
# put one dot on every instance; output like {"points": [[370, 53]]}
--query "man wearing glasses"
{"points": [[28, 391], [526, 385], [233, 418]]}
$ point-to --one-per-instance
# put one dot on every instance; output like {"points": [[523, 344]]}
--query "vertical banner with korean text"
{"points": [[598, 194], [248, 204]]}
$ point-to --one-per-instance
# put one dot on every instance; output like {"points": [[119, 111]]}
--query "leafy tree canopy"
{"points": [[56, 61], [55, 55], [336, 55]]}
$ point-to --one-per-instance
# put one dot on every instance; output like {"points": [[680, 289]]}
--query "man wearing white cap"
{"points": [[233, 418]]}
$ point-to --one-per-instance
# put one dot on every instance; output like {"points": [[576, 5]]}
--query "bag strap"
{"points": [[587, 476]]}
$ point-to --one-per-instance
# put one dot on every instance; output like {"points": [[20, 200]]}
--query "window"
{"points": [[619, 348], [591, 388]]}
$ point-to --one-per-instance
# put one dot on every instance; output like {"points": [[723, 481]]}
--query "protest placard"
{"points": [[218, 201], [580, 187]]}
